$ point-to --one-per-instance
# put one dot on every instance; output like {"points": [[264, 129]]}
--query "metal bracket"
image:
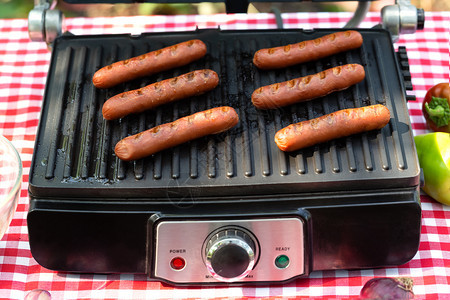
{"points": [[45, 23], [402, 18], [359, 14]]}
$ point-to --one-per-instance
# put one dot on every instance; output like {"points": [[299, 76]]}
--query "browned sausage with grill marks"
{"points": [[289, 55], [149, 63], [338, 124], [308, 87], [151, 96], [169, 135]]}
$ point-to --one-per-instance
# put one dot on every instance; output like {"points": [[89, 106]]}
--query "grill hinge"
{"points": [[45, 23]]}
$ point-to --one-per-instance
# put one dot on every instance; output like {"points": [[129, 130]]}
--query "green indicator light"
{"points": [[282, 261]]}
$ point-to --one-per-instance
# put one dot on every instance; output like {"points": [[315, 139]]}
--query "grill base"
{"points": [[353, 231]]}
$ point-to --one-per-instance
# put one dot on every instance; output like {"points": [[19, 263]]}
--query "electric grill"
{"points": [[230, 208]]}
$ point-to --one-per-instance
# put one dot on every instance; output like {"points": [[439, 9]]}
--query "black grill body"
{"points": [[92, 212]]}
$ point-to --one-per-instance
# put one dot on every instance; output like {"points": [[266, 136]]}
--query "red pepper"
{"points": [[436, 107]]}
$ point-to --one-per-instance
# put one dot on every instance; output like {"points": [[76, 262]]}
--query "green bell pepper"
{"points": [[433, 150]]}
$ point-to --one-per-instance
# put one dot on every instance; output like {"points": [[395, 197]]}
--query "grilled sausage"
{"points": [[135, 101], [169, 135], [150, 63], [289, 55], [332, 126], [308, 87]]}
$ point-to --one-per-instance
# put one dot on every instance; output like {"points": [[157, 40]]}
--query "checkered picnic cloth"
{"points": [[23, 70]]}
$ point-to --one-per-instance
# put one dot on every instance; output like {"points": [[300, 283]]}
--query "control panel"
{"points": [[253, 250]]}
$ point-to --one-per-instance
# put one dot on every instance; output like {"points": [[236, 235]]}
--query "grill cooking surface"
{"points": [[74, 154]]}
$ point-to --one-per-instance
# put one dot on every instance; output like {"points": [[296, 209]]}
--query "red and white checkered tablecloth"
{"points": [[23, 70]]}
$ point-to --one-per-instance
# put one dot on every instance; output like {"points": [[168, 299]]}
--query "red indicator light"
{"points": [[177, 263]]}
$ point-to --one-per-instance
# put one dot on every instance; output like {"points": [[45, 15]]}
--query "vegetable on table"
{"points": [[436, 107], [386, 288], [433, 150], [38, 294]]}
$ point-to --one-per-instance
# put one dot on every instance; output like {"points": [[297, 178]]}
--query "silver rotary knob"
{"points": [[230, 254]]}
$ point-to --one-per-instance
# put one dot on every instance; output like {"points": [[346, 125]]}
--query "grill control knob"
{"points": [[230, 254]]}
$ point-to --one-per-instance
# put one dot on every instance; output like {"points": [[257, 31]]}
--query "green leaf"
{"points": [[438, 111]]}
